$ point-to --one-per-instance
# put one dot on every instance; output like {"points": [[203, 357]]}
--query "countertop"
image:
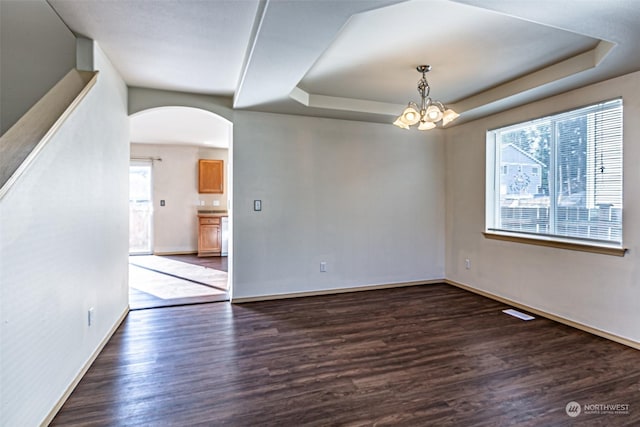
{"points": [[211, 213]]}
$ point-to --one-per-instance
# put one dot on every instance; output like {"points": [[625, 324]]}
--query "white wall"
{"points": [[175, 180], [141, 99], [366, 198], [37, 50], [63, 249], [599, 291]]}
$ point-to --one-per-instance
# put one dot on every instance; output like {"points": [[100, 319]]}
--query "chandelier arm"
{"points": [[440, 105], [408, 118]]}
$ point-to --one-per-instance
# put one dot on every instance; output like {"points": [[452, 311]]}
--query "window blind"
{"points": [[561, 175]]}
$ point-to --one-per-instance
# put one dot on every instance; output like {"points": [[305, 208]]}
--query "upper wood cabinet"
{"points": [[211, 176]]}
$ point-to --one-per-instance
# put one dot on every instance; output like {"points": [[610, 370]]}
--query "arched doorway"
{"points": [[173, 139]]}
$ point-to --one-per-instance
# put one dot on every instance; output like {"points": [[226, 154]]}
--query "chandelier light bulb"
{"points": [[410, 116], [433, 113]]}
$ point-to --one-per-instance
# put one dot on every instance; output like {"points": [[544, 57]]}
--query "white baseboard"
{"points": [[586, 328], [335, 291], [54, 411]]}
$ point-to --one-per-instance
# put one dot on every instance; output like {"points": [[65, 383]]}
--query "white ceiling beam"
{"points": [[291, 35], [571, 66], [344, 104]]}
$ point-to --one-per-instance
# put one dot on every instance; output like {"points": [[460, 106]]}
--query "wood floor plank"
{"points": [[215, 262], [422, 355]]}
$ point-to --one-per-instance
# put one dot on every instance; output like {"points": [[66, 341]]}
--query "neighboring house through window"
{"points": [[559, 175]]}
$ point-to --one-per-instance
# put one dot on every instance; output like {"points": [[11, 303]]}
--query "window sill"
{"points": [[560, 244]]}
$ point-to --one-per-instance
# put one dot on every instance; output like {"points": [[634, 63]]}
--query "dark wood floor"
{"points": [[215, 262], [417, 356]]}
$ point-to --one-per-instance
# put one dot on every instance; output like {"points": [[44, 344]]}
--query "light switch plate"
{"points": [[257, 205]]}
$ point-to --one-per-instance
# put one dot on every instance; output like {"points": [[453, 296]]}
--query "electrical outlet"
{"points": [[467, 264], [216, 203], [90, 316], [323, 267]]}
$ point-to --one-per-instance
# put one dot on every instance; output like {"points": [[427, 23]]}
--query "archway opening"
{"points": [[184, 219]]}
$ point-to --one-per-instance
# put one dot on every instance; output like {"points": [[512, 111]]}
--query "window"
{"points": [[574, 186]]}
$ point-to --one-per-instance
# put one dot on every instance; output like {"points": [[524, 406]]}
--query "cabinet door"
{"points": [[211, 176], [210, 239]]}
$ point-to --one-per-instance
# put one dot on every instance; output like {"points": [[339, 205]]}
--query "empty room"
{"points": [[419, 212]]}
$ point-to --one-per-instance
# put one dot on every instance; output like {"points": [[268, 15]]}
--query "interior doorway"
{"points": [[176, 138], [140, 207]]}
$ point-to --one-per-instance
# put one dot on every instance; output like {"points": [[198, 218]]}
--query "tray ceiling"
{"points": [[356, 59]]}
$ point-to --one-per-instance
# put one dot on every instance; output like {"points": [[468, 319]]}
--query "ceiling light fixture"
{"points": [[429, 112]]}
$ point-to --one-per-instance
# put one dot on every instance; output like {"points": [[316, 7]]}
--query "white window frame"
{"points": [[492, 208]]}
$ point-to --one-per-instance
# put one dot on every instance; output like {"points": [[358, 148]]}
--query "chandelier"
{"points": [[429, 113]]}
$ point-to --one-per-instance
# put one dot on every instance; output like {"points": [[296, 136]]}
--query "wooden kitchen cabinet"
{"points": [[211, 176], [209, 236]]}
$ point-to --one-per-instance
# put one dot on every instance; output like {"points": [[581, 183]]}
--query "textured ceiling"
{"points": [[355, 59], [470, 49], [192, 46]]}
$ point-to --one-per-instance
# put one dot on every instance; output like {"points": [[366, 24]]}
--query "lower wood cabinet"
{"points": [[209, 236]]}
